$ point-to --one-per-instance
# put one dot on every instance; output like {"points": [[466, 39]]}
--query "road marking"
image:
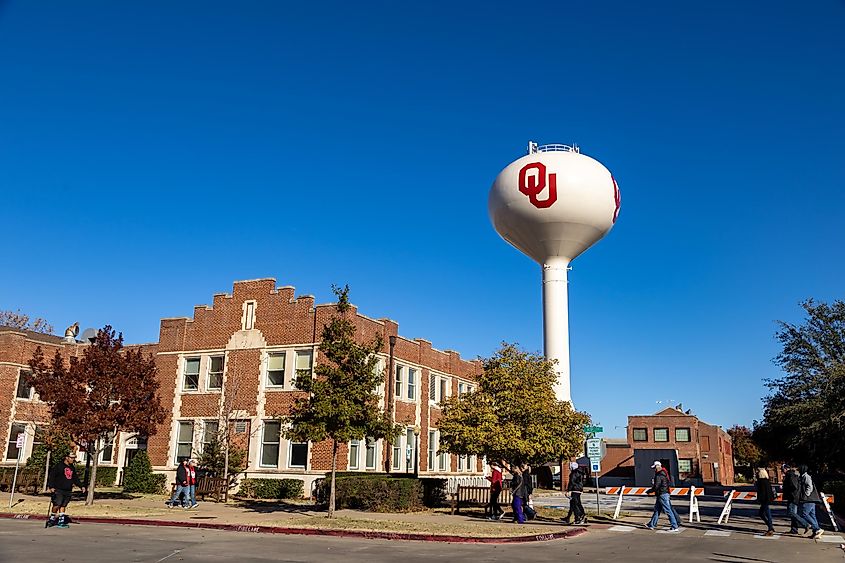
{"points": [[831, 539], [620, 528], [717, 533], [169, 556], [765, 537]]}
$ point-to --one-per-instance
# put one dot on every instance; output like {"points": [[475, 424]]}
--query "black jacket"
{"points": [[576, 481], [63, 477], [764, 491], [660, 484], [518, 486], [181, 474], [790, 487]]}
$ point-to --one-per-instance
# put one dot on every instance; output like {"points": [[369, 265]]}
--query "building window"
{"points": [[354, 453], [412, 384], [215, 372], [461, 462], [661, 434], [209, 433], [464, 388], [38, 439], [409, 449], [249, 315], [24, 390], [444, 390], [432, 388], [397, 453], [640, 434], [303, 363], [682, 435], [192, 374], [685, 466], [705, 443], [184, 441], [276, 369], [432, 448], [397, 391], [442, 462], [371, 454], [12, 451], [298, 454], [270, 439], [108, 448]]}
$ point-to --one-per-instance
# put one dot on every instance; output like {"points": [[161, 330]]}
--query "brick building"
{"points": [[704, 452], [243, 354]]}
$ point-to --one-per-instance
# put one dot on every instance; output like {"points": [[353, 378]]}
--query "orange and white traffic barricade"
{"points": [[752, 495], [691, 492]]}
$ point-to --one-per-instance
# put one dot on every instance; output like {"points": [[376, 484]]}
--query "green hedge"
{"points": [[139, 477], [272, 488], [106, 476], [373, 493]]}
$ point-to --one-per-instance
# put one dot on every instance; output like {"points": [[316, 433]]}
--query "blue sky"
{"points": [[152, 153]]}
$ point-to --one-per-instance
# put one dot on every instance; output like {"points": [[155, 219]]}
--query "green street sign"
{"points": [[593, 429]]}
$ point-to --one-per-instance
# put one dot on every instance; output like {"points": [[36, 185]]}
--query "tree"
{"points": [[17, 319], [804, 416], [342, 403], [513, 416], [746, 452], [106, 391]]}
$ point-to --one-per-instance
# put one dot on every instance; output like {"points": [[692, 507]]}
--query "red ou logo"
{"points": [[532, 181], [618, 197]]}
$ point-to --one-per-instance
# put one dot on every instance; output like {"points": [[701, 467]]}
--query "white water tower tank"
{"points": [[553, 204]]}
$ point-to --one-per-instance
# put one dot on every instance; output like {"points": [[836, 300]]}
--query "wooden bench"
{"points": [[215, 487], [467, 496]]}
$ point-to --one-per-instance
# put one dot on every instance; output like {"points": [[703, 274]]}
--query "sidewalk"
{"points": [[290, 514]]}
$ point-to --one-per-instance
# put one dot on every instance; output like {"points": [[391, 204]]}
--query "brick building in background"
{"points": [[700, 453], [245, 351]]}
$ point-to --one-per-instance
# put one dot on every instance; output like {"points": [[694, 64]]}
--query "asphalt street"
{"points": [[28, 542]]}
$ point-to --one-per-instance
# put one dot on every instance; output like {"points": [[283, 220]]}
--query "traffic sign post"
{"points": [[593, 429], [19, 443], [595, 451]]}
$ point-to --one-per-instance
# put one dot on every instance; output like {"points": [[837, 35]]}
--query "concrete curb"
{"points": [[315, 532]]}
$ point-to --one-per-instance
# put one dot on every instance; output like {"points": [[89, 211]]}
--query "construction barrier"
{"points": [[752, 495], [692, 492]]}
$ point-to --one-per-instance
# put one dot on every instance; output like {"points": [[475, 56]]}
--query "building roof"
{"points": [[32, 335]]}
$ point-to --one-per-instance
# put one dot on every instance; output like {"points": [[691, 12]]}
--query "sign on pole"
{"points": [[20, 441], [593, 429], [595, 449]]}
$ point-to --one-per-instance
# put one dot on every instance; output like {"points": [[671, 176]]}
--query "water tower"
{"points": [[553, 204]]}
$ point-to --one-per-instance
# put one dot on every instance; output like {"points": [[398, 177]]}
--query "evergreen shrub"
{"points": [[272, 488], [140, 478]]}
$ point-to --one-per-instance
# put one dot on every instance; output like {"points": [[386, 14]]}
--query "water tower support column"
{"points": [[556, 322]]}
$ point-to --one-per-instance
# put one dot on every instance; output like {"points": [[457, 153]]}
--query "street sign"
{"points": [[20, 441], [595, 467], [593, 429], [595, 449]]}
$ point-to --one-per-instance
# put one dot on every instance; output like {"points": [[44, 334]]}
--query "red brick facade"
{"points": [[256, 330], [705, 449]]}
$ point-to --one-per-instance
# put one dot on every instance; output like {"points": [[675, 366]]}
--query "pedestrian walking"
{"points": [[183, 492], [574, 489], [660, 488], [791, 494], [765, 497], [671, 484], [495, 479], [518, 494], [808, 497], [528, 503], [192, 483], [60, 482]]}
